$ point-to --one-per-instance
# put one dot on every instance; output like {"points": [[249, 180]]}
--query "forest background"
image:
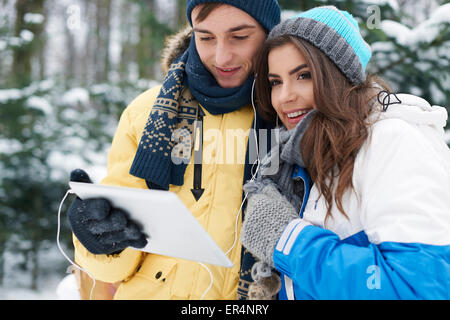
{"points": [[68, 68]]}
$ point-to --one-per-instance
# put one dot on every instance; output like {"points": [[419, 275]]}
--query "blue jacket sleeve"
{"points": [[322, 266]]}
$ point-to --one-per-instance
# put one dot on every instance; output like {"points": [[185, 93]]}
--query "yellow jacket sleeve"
{"points": [[114, 268]]}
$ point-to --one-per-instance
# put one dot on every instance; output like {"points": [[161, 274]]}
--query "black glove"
{"points": [[101, 228]]}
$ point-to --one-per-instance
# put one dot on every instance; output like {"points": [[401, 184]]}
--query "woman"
{"points": [[376, 222]]}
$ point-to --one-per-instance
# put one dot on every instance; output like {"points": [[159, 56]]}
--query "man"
{"points": [[209, 81]]}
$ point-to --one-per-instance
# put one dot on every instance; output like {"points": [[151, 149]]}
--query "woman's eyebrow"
{"points": [[297, 69], [300, 67], [234, 29]]}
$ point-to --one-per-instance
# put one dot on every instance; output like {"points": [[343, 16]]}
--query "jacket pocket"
{"points": [[153, 280]]}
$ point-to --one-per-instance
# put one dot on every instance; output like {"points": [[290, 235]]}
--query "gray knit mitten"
{"points": [[267, 215]]}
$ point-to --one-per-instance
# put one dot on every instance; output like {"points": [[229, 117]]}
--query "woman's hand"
{"points": [[267, 215]]}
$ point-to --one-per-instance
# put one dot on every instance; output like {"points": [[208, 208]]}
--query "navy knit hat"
{"points": [[266, 12], [336, 33]]}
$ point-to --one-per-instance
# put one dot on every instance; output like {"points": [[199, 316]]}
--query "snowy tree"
{"points": [[416, 59], [29, 194], [28, 30]]}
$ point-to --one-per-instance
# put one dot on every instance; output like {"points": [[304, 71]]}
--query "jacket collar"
{"points": [[414, 110]]}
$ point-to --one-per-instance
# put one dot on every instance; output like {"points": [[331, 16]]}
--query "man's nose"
{"points": [[224, 55]]}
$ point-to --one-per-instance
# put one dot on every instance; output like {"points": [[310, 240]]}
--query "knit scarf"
{"points": [[161, 158]]}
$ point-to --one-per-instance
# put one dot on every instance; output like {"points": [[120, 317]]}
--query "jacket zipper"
{"points": [[197, 190]]}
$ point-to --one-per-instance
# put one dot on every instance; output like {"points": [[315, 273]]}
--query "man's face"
{"points": [[227, 43]]}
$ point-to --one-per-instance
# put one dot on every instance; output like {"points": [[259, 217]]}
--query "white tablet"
{"points": [[172, 229]]}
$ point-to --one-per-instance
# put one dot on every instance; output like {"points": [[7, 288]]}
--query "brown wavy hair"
{"points": [[339, 129]]}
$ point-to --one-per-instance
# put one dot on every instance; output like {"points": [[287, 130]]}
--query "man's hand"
{"points": [[101, 228]]}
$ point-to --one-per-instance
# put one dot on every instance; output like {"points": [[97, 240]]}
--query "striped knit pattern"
{"points": [[266, 12], [171, 120], [334, 32]]}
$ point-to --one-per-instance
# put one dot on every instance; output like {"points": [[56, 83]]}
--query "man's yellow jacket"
{"points": [[150, 276]]}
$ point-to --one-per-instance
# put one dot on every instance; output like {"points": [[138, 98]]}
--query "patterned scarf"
{"points": [[161, 158]]}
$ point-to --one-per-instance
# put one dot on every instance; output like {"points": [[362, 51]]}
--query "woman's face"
{"points": [[292, 87], [227, 42]]}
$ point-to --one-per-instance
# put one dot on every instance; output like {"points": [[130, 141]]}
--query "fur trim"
{"points": [[175, 45], [265, 289]]}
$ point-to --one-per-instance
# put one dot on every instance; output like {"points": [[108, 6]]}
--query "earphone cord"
{"points": [[62, 251], [254, 173]]}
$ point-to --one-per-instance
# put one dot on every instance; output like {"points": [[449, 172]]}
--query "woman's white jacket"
{"points": [[395, 243]]}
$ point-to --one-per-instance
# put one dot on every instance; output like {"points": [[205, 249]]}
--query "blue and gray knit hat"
{"points": [[266, 12], [334, 32]]}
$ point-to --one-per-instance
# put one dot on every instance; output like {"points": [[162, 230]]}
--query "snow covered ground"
{"points": [[54, 288], [17, 293], [52, 284]]}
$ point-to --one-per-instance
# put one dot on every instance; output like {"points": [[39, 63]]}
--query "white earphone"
{"points": [[254, 174], [62, 251]]}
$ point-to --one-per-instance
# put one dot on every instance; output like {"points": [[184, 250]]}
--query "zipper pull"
{"points": [[197, 190]]}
